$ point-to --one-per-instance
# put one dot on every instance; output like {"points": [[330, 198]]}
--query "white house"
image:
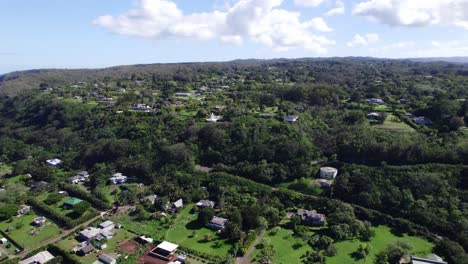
{"points": [[291, 119], [107, 225], [213, 118], [76, 179], [53, 162], [39, 258], [328, 172], [118, 178]]}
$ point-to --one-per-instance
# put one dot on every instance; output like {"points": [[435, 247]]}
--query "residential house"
{"points": [[144, 240], [183, 94], [291, 119], [422, 120], [120, 90], [23, 209], [39, 221], [431, 259], [328, 172], [213, 118], [176, 205], [165, 251], [324, 183], [89, 233], [71, 202], [3, 240], [76, 179], [118, 178], [150, 198], [205, 203], [40, 258], [373, 115], [267, 115], [376, 101], [107, 225], [85, 250], [217, 223], [140, 107], [83, 174], [311, 217], [55, 163]]}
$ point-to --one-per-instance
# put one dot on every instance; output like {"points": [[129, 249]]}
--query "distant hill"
{"points": [[442, 59], [16, 82]]}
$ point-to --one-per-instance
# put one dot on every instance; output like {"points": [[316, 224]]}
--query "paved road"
{"points": [[53, 240], [246, 258]]}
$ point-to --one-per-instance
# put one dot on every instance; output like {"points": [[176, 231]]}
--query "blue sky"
{"points": [[100, 33]]}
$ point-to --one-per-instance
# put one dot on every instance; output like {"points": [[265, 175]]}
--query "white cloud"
{"points": [[261, 21], [359, 40], [309, 3], [338, 10], [415, 13]]}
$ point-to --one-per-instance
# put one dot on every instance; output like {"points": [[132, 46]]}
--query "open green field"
{"points": [[303, 185], [382, 238], [149, 228], [394, 124], [381, 108], [27, 235], [187, 233], [121, 235], [288, 248]]}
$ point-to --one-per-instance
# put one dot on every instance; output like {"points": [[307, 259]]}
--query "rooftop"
{"points": [[167, 246], [73, 201], [41, 257]]}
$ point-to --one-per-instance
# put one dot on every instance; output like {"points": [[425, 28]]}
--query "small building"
{"points": [[120, 90], [213, 118], [205, 204], [422, 120], [144, 240], [165, 250], [219, 107], [89, 233], [410, 115], [328, 172], [107, 225], [105, 259], [40, 185], [217, 223], [431, 259], [267, 115], [3, 240], [118, 178], [105, 234], [76, 179], [55, 163], [23, 209], [39, 221], [376, 101], [324, 183], [178, 204], [85, 250], [140, 107], [71, 202], [311, 217], [83, 174], [40, 258], [291, 119], [373, 115], [183, 94], [150, 198]]}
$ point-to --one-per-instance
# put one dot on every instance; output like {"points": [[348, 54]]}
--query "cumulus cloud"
{"points": [[309, 3], [339, 9], [359, 40], [261, 21], [415, 13]]}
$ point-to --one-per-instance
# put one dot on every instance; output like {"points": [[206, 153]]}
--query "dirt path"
{"points": [[246, 258], [53, 240]]}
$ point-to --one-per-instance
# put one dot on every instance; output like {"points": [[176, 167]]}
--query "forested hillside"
{"points": [[154, 124]]}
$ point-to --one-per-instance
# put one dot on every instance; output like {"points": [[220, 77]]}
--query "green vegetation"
{"points": [[394, 124], [287, 247], [26, 235], [186, 232], [383, 237]]}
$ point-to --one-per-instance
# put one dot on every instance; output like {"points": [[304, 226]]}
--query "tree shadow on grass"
{"points": [[193, 225]]}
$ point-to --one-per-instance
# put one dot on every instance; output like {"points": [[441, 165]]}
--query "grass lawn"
{"points": [[182, 231], [381, 108], [303, 185], [393, 123], [288, 248], [5, 169], [382, 238], [27, 235], [147, 228]]}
